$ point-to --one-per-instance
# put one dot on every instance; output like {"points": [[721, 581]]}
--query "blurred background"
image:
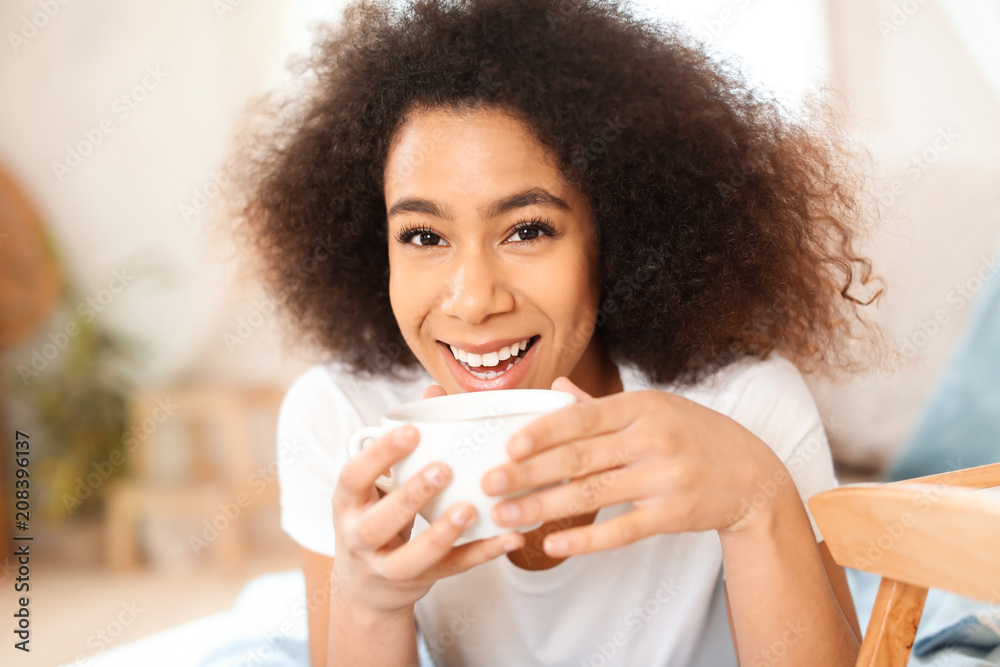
{"points": [[146, 369]]}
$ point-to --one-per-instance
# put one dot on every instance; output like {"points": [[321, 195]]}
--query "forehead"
{"points": [[474, 151]]}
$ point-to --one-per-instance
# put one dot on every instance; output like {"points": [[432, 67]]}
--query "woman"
{"points": [[491, 194]]}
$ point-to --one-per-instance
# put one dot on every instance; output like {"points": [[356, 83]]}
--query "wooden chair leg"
{"points": [[120, 534], [893, 625]]}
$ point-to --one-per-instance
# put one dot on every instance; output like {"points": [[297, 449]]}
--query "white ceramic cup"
{"points": [[469, 433]]}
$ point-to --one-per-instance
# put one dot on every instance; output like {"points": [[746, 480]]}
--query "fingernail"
{"points": [[434, 476], [556, 545], [497, 481], [511, 545], [509, 511], [461, 516]]}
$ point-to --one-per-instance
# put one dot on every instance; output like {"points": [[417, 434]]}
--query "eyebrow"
{"points": [[530, 197]]}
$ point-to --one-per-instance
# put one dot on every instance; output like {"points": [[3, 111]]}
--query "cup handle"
{"points": [[356, 444]]}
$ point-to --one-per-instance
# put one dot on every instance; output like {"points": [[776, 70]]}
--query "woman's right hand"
{"points": [[377, 566]]}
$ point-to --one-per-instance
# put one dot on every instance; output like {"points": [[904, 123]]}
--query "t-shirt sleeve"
{"points": [[313, 431], [773, 402]]}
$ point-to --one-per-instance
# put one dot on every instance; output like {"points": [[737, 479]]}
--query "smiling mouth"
{"points": [[493, 372]]}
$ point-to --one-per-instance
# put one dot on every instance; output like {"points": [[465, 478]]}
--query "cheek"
{"points": [[402, 293], [411, 299], [567, 291], [395, 290]]}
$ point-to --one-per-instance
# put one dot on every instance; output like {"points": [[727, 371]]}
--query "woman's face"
{"points": [[489, 248]]}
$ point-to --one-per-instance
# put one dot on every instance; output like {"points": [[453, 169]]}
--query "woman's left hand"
{"points": [[683, 466]]}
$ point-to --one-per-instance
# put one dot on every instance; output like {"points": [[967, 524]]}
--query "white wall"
{"points": [[119, 209]]}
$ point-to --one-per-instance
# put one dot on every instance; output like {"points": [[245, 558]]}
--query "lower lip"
{"points": [[508, 380]]}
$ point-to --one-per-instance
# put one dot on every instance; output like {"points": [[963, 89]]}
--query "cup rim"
{"points": [[561, 399]]}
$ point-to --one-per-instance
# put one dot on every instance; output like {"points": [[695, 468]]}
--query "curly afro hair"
{"points": [[727, 228]]}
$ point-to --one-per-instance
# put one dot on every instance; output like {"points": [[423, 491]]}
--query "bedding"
{"points": [[266, 628]]}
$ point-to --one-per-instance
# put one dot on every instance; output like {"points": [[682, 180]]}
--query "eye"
{"points": [[426, 236], [534, 228]]}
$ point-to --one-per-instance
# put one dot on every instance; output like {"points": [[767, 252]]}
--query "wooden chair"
{"points": [[219, 463], [940, 531]]}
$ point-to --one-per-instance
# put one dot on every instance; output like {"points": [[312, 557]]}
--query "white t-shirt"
{"points": [[642, 604]]}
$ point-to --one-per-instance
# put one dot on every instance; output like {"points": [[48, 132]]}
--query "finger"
{"points": [[563, 383], [577, 497], [477, 552], [571, 460], [573, 422], [617, 532], [391, 515], [358, 475], [418, 555], [433, 391]]}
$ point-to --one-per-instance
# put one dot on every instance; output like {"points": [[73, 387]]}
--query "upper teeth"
{"points": [[489, 359]]}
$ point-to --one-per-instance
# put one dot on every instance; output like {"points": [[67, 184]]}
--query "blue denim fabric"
{"points": [[954, 631]]}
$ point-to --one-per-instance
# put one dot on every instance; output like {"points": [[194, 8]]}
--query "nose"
{"points": [[476, 288]]}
